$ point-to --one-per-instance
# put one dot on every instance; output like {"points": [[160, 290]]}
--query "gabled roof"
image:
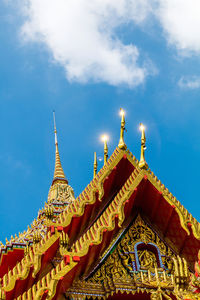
{"points": [[120, 190], [32, 263]]}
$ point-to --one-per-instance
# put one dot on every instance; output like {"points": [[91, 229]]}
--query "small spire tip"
{"points": [[122, 144], [142, 163]]}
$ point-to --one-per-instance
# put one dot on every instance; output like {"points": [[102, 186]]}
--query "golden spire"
{"points": [[95, 164], [142, 163], [58, 172], [104, 139], [122, 144]]}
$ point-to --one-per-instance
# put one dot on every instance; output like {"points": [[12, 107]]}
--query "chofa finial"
{"points": [[95, 164], [104, 139], [122, 144], [142, 163]]}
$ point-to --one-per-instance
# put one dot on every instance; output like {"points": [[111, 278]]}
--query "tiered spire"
{"points": [[58, 172]]}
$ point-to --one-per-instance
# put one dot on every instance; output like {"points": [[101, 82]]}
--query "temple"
{"points": [[124, 237]]}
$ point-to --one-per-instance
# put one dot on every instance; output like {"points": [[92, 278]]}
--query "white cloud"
{"points": [[192, 82], [81, 36], [180, 20]]}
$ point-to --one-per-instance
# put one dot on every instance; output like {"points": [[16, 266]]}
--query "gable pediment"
{"points": [[137, 260], [139, 248]]}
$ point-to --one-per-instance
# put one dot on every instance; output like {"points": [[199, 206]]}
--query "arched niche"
{"points": [[147, 256]]}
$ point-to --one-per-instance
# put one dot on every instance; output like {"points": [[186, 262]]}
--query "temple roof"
{"points": [[122, 189]]}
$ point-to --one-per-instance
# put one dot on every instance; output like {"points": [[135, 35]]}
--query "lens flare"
{"points": [[142, 127], [104, 137]]}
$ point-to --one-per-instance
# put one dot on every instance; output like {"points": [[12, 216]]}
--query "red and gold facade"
{"points": [[124, 237]]}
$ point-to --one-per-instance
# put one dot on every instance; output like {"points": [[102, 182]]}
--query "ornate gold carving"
{"points": [[147, 259], [117, 273], [49, 212], [168, 263], [183, 288], [36, 237], [61, 192], [156, 296], [2, 295], [116, 266], [195, 278], [64, 240], [120, 263], [141, 232], [27, 250]]}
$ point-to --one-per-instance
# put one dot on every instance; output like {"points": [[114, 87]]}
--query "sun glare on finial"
{"points": [[122, 144], [142, 162], [122, 112], [142, 127], [104, 137]]}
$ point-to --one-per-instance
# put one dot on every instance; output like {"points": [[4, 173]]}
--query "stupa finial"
{"points": [[95, 164], [58, 172], [104, 139], [122, 144], [142, 163]]}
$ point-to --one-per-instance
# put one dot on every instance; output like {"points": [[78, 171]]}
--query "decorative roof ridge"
{"points": [[30, 262], [15, 241], [4, 249], [45, 242], [186, 218], [115, 208]]}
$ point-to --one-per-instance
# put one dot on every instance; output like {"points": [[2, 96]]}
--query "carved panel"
{"points": [[138, 261], [139, 249]]}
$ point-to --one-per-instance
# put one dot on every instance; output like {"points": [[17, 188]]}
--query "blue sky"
{"points": [[85, 61]]}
